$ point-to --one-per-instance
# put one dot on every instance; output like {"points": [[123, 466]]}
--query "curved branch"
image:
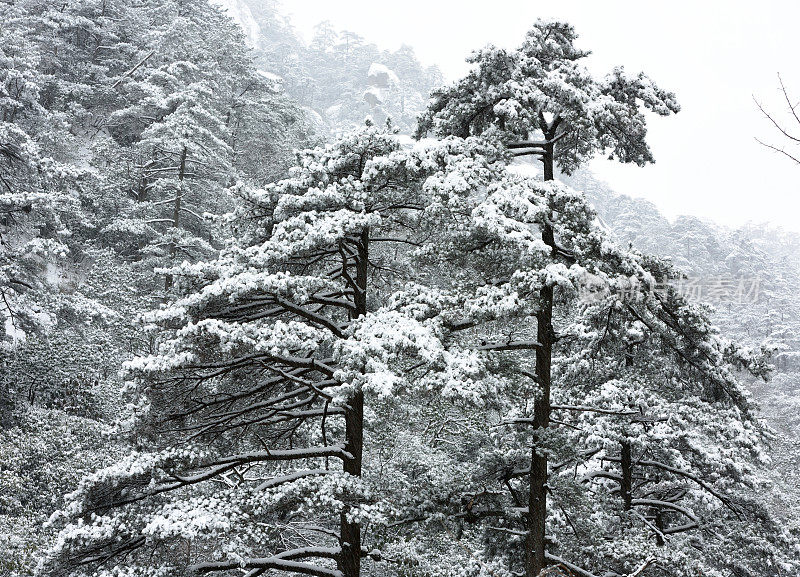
{"points": [[666, 505], [285, 561]]}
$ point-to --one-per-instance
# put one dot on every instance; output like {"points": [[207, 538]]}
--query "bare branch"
{"points": [[134, 69], [774, 122], [776, 149], [509, 346]]}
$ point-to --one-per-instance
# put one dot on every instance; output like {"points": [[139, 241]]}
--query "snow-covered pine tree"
{"points": [[264, 126], [650, 427], [671, 451], [187, 157], [252, 376], [541, 100], [259, 390], [39, 196], [69, 299], [20, 158], [82, 46], [178, 137]]}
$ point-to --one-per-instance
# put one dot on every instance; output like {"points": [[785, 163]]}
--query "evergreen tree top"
{"points": [[541, 94]]}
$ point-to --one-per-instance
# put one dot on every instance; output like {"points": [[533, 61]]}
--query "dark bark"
{"points": [[350, 557], [547, 160], [537, 507], [537, 497], [659, 522], [627, 475], [176, 212]]}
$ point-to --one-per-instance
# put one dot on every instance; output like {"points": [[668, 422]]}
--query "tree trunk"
{"points": [[627, 475], [176, 213], [350, 558], [537, 496], [659, 522], [548, 158]]}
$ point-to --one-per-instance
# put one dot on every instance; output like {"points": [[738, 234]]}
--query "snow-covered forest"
{"points": [[276, 306]]}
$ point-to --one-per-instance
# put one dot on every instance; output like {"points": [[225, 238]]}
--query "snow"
{"points": [[13, 333], [270, 76], [524, 167], [381, 76], [240, 13], [316, 120]]}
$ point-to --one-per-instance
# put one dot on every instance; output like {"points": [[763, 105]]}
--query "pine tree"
{"points": [[197, 118], [271, 356], [543, 89], [40, 189], [403, 361]]}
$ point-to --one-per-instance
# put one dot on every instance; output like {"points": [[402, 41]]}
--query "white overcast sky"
{"points": [[716, 55]]}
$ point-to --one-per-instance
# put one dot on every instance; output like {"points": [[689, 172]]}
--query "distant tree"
{"points": [[325, 36], [197, 117], [41, 214]]}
